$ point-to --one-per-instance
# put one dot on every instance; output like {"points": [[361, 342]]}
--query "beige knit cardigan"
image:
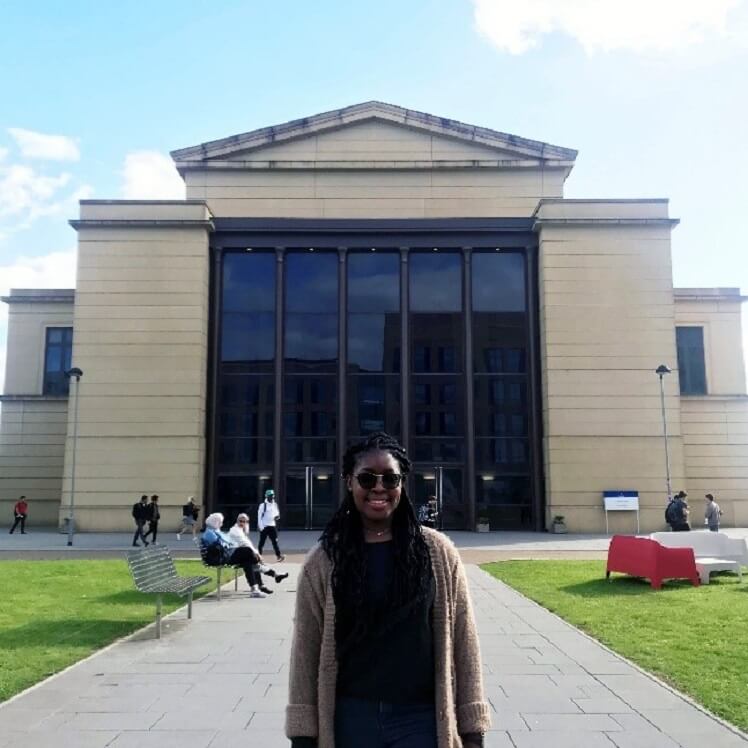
{"points": [[461, 707]]}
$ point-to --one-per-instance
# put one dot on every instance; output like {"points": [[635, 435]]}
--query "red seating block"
{"points": [[642, 557]]}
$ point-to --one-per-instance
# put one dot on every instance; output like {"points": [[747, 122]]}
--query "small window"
{"points": [[691, 365], [58, 352]]}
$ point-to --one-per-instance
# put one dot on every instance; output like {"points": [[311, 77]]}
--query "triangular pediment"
{"points": [[373, 131]]}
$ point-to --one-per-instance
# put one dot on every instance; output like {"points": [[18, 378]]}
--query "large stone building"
{"points": [[363, 269]]}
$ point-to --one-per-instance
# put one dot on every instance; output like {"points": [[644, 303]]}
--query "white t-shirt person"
{"points": [[267, 515]]}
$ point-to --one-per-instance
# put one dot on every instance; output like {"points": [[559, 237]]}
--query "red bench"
{"points": [[642, 557]]}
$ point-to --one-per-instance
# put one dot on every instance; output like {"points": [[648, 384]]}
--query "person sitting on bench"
{"points": [[221, 549], [239, 534]]}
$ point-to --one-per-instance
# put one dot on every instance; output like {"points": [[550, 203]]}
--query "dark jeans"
{"points": [[152, 530], [681, 527], [272, 533], [375, 724], [139, 525], [246, 558], [22, 519]]}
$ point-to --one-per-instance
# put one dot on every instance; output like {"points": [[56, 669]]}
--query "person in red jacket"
{"points": [[20, 512]]}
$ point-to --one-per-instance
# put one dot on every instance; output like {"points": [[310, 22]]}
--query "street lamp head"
{"points": [[74, 372], [662, 369]]}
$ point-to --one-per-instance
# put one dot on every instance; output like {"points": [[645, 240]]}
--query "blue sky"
{"points": [[651, 93]]}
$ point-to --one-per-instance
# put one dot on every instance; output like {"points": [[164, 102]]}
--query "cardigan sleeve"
{"points": [[473, 711], [301, 712]]}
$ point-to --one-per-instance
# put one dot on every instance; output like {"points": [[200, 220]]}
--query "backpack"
{"points": [[216, 554], [672, 513]]}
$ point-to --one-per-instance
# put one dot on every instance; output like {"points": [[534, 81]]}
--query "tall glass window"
{"points": [[691, 363], [246, 397], [58, 351], [437, 349], [501, 386], [311, 356], [373, 308]]}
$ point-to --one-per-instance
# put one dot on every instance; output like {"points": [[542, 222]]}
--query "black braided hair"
{"points": [[343, 542]]}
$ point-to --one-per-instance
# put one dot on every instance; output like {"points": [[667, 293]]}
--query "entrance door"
{"points": [[310, 496], [446, 484]]}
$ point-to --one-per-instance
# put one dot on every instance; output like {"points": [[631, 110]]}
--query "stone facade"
{"points": [[607, 318]]}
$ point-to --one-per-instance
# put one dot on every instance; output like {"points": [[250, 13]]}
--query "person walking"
{"points": [[20, 514], [190, 513], [385, 648], [267, 523], [676, 514], [140, 512], [712, 513], [154, 515], [428, 513]]}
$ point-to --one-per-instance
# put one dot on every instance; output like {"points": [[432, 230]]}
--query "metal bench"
{"points": [[218, 569], [153, 571]]}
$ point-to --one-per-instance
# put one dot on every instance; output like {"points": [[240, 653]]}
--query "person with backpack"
{"points": [[190, 513], [712, 513], [676, 514], [140, 512], [154, 515], [267, 519], [220, 549]]}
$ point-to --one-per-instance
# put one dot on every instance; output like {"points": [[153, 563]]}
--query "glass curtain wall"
{"points": [[501, 388], [246, 390], [373, 309], [437, 393]]}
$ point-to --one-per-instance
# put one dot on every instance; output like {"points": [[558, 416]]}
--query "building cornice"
{"points": [[40, 296], [709, 294], [89, 223], [540, 222], [32, 398], [371, 110]]}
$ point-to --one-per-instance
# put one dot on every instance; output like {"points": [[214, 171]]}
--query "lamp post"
{"points": [[661, 371], [74, 373]]}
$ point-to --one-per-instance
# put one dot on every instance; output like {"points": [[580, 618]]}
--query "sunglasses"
{"points": [[368, 480]]}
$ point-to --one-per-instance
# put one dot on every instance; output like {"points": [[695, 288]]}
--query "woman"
{"points": [[239, 534], [385, 649]]}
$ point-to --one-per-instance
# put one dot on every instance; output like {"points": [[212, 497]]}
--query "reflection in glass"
{"points": [[435, 281], [373, 281], [373, 405], [374, 342], [312, 338], [249, 282], [249, 338], [436, 342], [498, 281], [312, 282]]}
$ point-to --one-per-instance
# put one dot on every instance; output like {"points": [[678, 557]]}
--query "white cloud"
{"points": [[149, 175], [3, 153], [54, 270], [604, 25], [40, 145]]}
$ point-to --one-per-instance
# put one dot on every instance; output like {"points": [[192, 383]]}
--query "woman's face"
{"points": [[376, 504]]}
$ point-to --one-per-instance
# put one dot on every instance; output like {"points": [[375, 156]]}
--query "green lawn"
{"points": [[695, 638], [54, 613]]}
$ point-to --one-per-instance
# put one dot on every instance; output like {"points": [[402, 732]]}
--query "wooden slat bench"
{"points": [[218, 569], [153, 571]]}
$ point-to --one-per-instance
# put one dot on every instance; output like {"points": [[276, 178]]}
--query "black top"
{"points": [[140, 511], [395, 660]]}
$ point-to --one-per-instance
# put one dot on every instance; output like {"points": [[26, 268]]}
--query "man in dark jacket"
{"points": [[153, 517], [677, 513], [140, 512]]}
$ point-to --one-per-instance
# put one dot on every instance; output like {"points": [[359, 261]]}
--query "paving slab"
{"points": [[222, 681]]}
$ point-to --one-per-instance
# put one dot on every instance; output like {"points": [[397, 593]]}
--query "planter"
{"points": [[483, 527], [559, 528]]}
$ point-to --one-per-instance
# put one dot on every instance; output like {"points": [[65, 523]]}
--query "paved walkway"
{"points": [[220, 682]]}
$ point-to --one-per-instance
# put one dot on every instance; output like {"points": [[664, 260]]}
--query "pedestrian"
{"points": [[677, 512], [268, 517], [239, 534], [428, 514], [712, 513], [20, 514], [190, 513], [385, 649], [220, 549], [140, 515], [154, 515]]}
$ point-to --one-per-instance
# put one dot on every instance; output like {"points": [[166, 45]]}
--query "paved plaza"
{"points": [[221, 681]]}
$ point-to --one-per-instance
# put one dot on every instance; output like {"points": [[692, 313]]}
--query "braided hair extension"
{"points": [[343, 542]]}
